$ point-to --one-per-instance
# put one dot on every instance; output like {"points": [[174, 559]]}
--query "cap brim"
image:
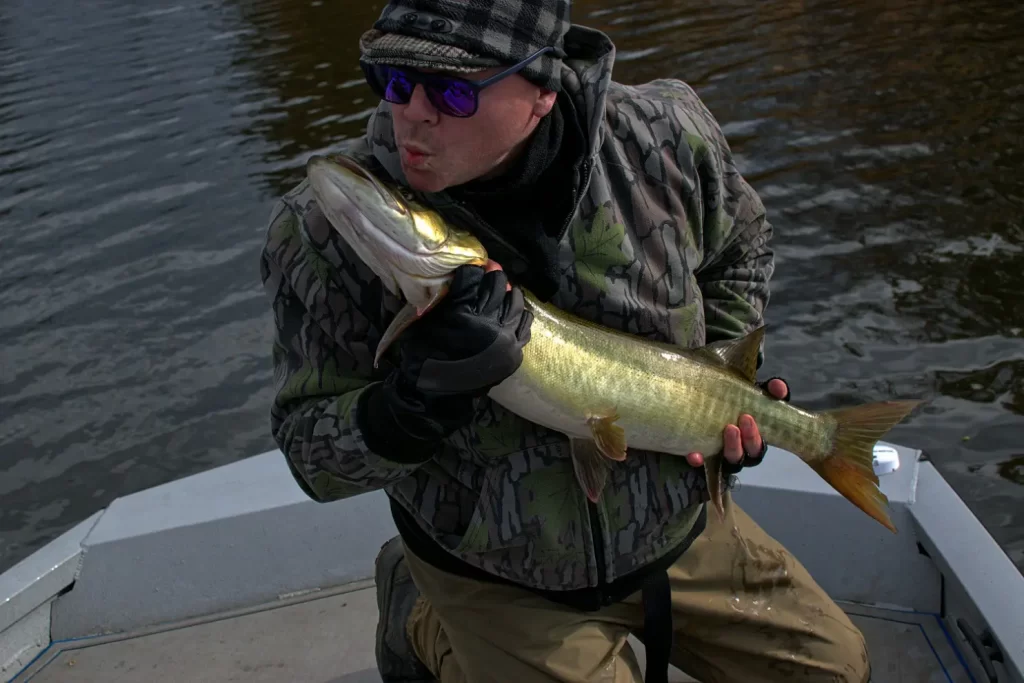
{"points": [[377, 47]]}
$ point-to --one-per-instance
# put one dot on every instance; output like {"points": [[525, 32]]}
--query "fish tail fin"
{"points": [[848, 466], [714, 475]]}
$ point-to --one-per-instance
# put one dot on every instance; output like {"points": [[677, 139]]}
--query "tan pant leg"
{"points": [[738, 619], [757, 617], [470, 631]]}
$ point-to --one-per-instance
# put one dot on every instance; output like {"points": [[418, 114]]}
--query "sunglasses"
{"points": [[450, 95]]}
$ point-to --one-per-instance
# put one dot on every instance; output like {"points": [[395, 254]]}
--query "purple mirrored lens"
{"points": [[453, 97], [397, 86], [459, 98]]}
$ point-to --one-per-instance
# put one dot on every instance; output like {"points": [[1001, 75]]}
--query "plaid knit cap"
{"points": [[469, 35]]}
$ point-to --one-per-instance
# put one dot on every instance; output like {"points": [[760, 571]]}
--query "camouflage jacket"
{"points": [[667, 241]]}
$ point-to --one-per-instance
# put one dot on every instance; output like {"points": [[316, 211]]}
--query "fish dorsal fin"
{"points": [[739, 355]]}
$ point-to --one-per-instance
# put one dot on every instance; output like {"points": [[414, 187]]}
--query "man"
{"points": [[619, 204]]}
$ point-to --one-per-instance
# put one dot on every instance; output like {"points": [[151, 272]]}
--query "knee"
{"points": [[848, 655], [423, 629]]}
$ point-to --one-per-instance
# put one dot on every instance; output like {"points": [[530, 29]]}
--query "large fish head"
{"points": [[410, 248]]}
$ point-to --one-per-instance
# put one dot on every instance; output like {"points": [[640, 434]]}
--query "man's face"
{"points": [[440, 151]]}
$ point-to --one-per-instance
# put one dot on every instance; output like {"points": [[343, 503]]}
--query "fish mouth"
{"points": [[386, 196], [380, 226]]}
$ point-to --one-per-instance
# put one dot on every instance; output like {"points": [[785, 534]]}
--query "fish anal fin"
{"points": [[716, 483], [403, 319], [609, 437], [591, 467], [739, 355]]}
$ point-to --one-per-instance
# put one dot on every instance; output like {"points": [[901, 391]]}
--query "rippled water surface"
{"points": [[141, 148]]}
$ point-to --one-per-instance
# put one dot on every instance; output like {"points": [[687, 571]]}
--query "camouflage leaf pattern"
{"points": [[668, 242], [597, 247]]}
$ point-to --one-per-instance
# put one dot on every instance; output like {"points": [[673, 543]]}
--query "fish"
{"points": [[606, 390]]}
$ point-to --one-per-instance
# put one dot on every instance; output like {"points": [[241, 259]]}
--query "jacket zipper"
{"points": [[597, 534], [577, 194]]}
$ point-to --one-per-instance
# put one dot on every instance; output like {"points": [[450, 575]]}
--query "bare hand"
{"points": [[744, 437]]}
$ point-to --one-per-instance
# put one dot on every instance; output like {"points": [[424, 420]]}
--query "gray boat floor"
{"points": [[328, 638]]}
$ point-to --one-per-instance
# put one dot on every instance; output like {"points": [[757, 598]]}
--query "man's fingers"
{"points": [[737, 440], [733, 448], [778, 388], [751, 436]]}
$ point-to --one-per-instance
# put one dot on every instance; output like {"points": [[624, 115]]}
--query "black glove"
{"points": [[470, 342], [754, 459]]}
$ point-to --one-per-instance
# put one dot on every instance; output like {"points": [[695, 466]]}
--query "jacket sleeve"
{"points": [[326, 307], [738, 261]]}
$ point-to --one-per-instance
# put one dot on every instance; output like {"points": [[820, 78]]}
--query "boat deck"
{"points": [[328, 638]]}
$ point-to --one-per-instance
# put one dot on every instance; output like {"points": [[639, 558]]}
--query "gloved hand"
{"points": [[471, 341], [755, 459]]}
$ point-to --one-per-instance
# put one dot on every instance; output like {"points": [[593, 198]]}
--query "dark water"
{"points": [[141, 148]]}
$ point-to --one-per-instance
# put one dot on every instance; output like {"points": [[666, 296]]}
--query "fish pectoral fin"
{"points": [[591, 467], [739, 355], [435, 298], [405, 317], [609, 437]]}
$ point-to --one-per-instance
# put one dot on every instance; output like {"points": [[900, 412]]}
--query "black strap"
{"points": [[657, 600]]}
